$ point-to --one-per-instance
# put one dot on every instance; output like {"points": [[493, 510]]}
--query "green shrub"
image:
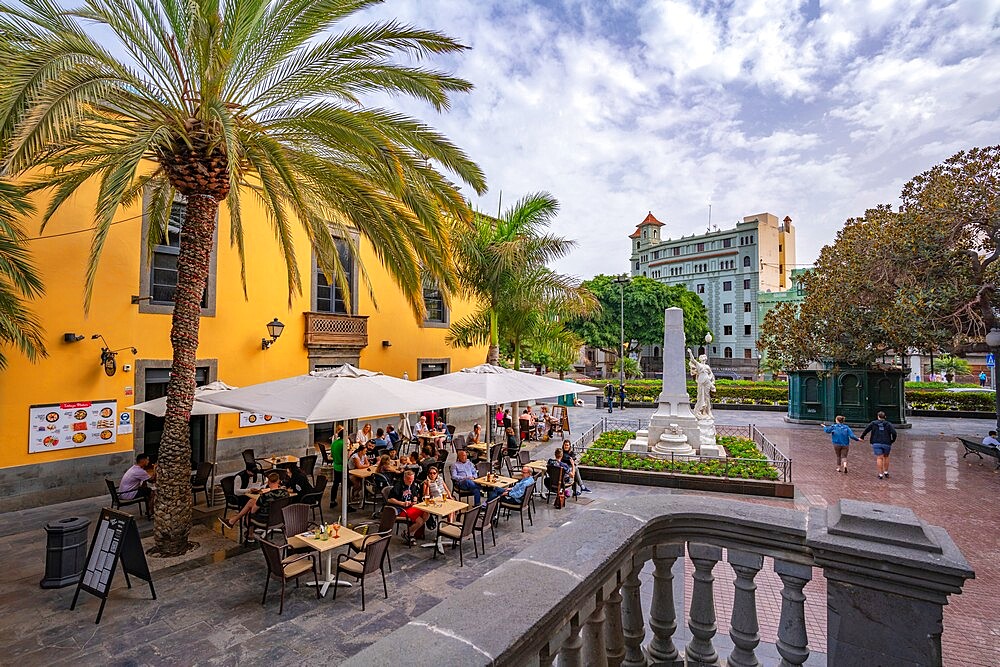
{"points": [[744, 459], [973, 401]]}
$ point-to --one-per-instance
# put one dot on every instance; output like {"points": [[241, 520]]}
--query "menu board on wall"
{"points": [[259, 419], [57, 426]]}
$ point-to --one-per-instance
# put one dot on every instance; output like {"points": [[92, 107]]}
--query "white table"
{"points": [[326, 548]]}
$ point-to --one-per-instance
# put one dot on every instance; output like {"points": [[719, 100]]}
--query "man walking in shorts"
{"points": [[883, 435]]}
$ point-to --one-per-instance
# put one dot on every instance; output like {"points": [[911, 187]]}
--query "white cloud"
{"points": [[617, 108]]}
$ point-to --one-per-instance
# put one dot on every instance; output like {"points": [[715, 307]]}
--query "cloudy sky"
{"points": [[810, 109]]}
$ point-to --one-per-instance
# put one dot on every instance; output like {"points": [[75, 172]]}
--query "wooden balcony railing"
{"points": [[332, 330]]}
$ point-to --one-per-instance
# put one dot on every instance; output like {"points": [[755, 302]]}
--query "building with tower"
{"points": [[728, 269]]}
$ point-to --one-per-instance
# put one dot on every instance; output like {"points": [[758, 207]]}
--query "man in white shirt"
{"points": [[248, 481]]}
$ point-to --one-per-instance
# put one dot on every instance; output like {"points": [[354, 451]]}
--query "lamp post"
{"points": [[993, 340], [622, 280]]}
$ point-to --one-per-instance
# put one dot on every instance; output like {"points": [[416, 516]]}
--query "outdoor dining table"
{"points": [[540, 466], [439, 508], [326, 548], [364, 473], [277, 461], [500, 482], [478, 446]]}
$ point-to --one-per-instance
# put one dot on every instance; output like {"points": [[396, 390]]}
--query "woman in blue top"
{"points": [[841, 436]]}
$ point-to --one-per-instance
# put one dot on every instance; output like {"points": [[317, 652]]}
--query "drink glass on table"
{"points": [[336, 529]]}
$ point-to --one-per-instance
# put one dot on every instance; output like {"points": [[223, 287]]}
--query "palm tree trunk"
{"points": [[493, 354], [172, 508]]}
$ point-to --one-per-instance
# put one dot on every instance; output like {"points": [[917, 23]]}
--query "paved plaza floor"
{"points": [[208, 609]]}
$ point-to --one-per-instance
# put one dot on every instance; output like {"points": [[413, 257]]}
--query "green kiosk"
{"points": [[824, 390]]}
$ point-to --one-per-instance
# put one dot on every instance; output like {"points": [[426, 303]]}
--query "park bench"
{"points": [[978, 448]]}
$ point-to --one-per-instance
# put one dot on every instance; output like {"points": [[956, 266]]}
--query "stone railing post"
{"points": [[595, 651], [888, 576], [700, 650], [793, 640], [744, 628], [569, 653], [633, 626], [662, 614], [614, 638]]}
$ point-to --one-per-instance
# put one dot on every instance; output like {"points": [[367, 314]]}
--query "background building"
{"points": [[728, 269], [132, 302]]}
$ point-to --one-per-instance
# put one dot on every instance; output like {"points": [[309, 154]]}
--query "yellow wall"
{"points": [[72, 371]]}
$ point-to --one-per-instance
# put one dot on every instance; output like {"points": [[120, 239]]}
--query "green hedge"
{"points": [[770, 393], [745, 460]]}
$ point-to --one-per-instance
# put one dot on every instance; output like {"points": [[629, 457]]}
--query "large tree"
{"points": [[217, 101], [919, 277], [645, 301], [502, 264], [19, 281]]}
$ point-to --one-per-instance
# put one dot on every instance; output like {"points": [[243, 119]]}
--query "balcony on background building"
{"points": [[577, 598], [329, 331]]}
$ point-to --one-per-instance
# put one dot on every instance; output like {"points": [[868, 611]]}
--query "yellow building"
{"points": [[66, 426]]}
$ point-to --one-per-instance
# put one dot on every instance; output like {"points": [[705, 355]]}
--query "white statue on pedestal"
{"points": [[705, 379]]}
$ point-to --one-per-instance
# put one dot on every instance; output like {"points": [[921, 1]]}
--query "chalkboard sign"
{"points": [[116, 539]]}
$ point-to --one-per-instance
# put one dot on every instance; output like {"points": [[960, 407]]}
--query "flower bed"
{"points": [[744, 460]]}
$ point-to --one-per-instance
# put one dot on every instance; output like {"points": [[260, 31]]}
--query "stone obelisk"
{"points": [[674, 402]]}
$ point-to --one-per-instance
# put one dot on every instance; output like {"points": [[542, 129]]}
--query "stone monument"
{"points": [[674, 429]]}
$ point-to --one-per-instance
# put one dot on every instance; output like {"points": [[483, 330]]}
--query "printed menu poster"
{"points": [[259, 419], [67, 425]]}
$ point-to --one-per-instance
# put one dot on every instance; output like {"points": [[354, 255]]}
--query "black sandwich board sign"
{"points": [[116, 539]]}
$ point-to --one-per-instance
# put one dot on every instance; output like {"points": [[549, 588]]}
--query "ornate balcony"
{"points": [[328, 331], [574, 598]]}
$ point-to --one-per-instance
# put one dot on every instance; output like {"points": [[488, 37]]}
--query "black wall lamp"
{"points": [[108, 355], [386, 343], [72, 337], [274, 328]]}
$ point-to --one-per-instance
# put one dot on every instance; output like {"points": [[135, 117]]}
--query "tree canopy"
{"points": [[922, 276], [645, 301]]}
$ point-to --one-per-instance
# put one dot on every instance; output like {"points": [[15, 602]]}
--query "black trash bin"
{"points": [[65, 551]]}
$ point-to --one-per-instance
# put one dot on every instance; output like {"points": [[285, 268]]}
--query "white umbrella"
{"points": [[495, 385], [158, 406], [338, 395], [404, 428]]}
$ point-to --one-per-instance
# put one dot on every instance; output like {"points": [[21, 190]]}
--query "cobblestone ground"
{"points": [[209, 610]]}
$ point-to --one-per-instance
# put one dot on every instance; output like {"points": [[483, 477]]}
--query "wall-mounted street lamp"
{"points": [[108, 355], [274, 329]]}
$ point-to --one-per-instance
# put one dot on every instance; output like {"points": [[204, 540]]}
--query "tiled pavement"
{"points": [[211, 613]]}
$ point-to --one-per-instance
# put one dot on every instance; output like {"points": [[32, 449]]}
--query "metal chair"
{"points": [[315, 499], [285, 568], [458, 443], [200, 481], [360, 566], [324, 453], [117, 503], [457, 532], [372, 486], [275, 518]]}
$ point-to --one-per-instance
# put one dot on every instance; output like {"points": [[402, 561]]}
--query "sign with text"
{"points": [[248, 419], [57, 426]]}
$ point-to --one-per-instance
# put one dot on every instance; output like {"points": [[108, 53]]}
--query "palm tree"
{"points": [[18, 279], [501, 263], [214, 100]]}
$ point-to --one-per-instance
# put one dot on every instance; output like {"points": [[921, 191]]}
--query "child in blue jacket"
{"points": [[841, 436]]}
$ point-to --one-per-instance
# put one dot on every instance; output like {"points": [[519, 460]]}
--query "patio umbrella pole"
{"points": [[345, 482]]}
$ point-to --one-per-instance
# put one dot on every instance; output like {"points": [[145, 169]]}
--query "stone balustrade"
{"points": [[574, 598]]}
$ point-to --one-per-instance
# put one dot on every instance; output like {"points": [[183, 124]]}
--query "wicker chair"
{"points": [[286, 568], [315, 499], [487, 519], [519, 507], [307, 464], [275, 518], [117, 502], [386, 522], [233, 502], [362, 564], [457, 532], [200, 481]]}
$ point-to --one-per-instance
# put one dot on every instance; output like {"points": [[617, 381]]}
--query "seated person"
{"points": [[259, 506], [515, 494], [475, 435], [358, 461], [512, 444], [371, 452], [385, 466], [436, 489], [559, 461], [463, 476], [498, 417], [392, 436], [527, 423], [135, 482], [422, 427], [542, 427], [297, 480], [508, 420], [991, 440], [570, 458], [365, 434], [404, 497], [411, 463], [249, 481], [394, 456], [381, 442]]}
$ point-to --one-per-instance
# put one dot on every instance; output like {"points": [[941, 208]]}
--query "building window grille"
{"points": [[330, 298]]}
